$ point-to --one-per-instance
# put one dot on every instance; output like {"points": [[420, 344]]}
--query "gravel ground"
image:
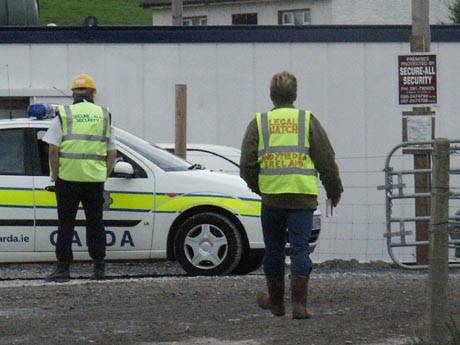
{"points": [[352, 304], [84, 269]]}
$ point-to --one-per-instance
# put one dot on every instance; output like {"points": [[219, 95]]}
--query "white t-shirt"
{"points": [[53, 135]]}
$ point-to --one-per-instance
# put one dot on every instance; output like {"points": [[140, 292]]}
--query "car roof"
{"points": [[219, 149], [23, 120]]}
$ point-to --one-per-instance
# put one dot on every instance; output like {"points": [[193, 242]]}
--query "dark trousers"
{"points": [[69, 195], [298, 223]]}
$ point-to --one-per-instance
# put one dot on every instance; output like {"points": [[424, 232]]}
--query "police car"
{"points": [[157, 206]]}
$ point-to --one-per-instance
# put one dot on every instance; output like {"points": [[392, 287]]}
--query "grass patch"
{"points": [[108, 12]]}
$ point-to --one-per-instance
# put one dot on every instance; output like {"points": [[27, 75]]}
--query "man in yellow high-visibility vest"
{"points": [[82, 153], [283, 150]]}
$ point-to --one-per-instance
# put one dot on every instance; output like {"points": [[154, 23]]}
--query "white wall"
{"points": [[351, 87], [374, 12], [323, 12]]}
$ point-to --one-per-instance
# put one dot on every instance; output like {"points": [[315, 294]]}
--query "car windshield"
{"points": [[155, 154]]}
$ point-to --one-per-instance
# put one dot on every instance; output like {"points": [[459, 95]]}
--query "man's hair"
{"points": [[283, 88], [83, 94]]}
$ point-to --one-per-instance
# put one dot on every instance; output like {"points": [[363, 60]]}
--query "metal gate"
{"points": [[400, 205]]}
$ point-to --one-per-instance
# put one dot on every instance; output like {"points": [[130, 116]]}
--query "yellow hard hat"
{"points": [[83, 81]]}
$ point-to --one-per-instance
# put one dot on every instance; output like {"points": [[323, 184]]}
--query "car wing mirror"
{"points": [[123, 169]]}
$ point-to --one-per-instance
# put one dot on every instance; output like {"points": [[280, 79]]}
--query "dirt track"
{"points": [[349, 308]]}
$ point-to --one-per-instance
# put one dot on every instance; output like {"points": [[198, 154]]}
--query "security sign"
{"points": [[417, 79]]}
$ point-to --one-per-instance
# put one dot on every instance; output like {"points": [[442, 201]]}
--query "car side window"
{"points": [[12, 152], [41, 166]]}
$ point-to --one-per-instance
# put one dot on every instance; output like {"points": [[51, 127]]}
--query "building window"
{"points": [[13, 107], [195, 21], [294, 17], [244, 19]]}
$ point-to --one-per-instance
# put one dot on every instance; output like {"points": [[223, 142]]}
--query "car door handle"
{"points": [[50, 188]]}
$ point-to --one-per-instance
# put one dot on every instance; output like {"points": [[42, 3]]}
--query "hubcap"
{"points": [[205, 246]]}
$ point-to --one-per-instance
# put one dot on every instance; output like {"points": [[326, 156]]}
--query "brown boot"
{"points": [[274, 299], [299, 296]]}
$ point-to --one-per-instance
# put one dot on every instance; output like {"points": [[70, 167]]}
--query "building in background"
{"points": [[348, 78], [294, 12]]}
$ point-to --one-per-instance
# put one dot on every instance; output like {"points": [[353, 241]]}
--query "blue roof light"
{"points": [[40, 111]]}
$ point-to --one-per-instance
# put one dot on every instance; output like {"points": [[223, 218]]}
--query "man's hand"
{"points": [[335, 200], [53, 155]]}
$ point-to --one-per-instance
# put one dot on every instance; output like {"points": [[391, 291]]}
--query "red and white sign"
{"points": [[417, 79]]}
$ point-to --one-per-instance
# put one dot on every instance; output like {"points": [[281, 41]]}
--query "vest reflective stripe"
{"points": [[288, 171], [265, 132], [278, 149], [302, 119], [284, 152], [82, 156], [86, 137], [105, 112], [83, 150]]}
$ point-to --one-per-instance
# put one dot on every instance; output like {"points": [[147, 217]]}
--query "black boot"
{"points": [[61, 274], [99, 270]]}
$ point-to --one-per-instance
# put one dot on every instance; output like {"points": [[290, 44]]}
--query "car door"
{"points": [[16, 196], [128, 208]]}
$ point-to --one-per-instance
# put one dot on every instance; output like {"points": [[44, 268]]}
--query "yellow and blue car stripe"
{"points": [[135, 201]]}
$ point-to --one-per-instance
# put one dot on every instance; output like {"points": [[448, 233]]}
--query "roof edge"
{"points": [[220, 34], [187, 3]]}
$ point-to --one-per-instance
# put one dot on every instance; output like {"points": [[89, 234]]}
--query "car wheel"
{"points": [[249, 264], [208, 244]]}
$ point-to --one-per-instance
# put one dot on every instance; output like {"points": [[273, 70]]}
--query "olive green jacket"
{"points": [[321, 153]]}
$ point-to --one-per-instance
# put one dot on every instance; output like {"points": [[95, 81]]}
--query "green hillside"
{"points": [[108, 12]]}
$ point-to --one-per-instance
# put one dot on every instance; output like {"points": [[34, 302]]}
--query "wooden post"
{"points": [[422, 206], [421, 42], [177, 9], [436, 312], [421, 35], [181, 121]]}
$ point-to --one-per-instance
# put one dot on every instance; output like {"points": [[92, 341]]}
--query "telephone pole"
{"points": [[177, 9], [421, 42]]}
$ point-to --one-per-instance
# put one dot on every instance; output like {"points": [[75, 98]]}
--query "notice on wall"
{"points": [[417, 79], [419, 128]]}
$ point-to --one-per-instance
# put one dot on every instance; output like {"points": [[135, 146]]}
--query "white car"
{"points": [[226, 159], [157, 206]]}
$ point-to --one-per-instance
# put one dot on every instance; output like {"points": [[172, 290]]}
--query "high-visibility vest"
{"points": [[85, 136], [284, 152]]}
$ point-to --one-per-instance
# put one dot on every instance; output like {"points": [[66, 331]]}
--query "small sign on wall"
{"points": [[417, 79], [418, 126]]}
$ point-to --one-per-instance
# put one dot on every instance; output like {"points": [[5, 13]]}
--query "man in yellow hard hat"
{"points": [[82, 152], [84, 82]]}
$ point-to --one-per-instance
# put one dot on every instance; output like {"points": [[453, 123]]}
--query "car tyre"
{"points": [[208, 244]]}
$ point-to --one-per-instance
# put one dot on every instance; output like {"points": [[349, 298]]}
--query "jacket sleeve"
{"points": [[323, 157], [249, 167]]}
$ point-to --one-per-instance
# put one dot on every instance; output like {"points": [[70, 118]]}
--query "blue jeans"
{"points": [[298, 223]]}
